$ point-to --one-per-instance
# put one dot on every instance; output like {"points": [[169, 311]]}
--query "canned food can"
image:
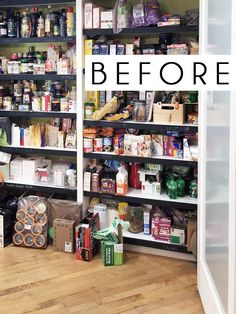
{"points": [[88, 145], [98, 144], [107, 144]]}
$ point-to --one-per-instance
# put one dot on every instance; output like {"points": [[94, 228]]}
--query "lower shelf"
{"points": [[148, 241], [40, 188], [136, 196]]}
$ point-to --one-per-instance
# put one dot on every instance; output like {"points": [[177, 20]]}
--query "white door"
{"points": [[216, 231]]}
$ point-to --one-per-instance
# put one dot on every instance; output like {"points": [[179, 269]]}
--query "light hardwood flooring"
{"points": [[45, 281]]}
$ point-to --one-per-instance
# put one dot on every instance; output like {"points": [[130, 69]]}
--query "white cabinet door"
{"points": [[216, 231]]}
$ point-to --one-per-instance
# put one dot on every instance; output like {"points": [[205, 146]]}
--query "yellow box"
{"points": [[94, 96], [88, 46]]}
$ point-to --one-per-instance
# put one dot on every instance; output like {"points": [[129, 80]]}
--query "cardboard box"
{"points": [[16, 169], [5, 158], [161, 228], [191, 227], [88, 15], [94, 97], [96, 17], [112, 250], [86, 245], [64, 235], [30, 166], [107, 19], [129, 49], [177, 236], [147, 220], [150, 188], [112, 49], [5, 228], [168, 114], [88, 46], [5, 170], [157, 145]]}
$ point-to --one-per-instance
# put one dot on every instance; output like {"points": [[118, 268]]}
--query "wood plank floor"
{"points": [[44, 281]]}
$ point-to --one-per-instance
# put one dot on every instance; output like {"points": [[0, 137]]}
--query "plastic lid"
{"points": [[70, 10]]}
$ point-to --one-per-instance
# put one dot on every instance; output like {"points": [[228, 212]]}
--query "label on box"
{"points": [[118, 254], [68, 247]]}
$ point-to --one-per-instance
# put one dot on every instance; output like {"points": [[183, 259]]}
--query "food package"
{"points": [[31, 227], [152, 13], [111, 107]]}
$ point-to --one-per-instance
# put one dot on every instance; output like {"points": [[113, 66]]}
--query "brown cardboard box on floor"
{"points": [[64, 235]]}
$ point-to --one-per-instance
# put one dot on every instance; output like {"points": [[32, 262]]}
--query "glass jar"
{"points": [[139, 111], [88, 110], [7, 103], [134, 214]]}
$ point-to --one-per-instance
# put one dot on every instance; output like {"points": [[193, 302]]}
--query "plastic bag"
{"points": [[152, 13], [31, 227], [121, 16], [138, 15]]}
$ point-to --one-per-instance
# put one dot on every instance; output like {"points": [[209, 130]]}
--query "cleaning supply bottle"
{"points": [[122, 181]]}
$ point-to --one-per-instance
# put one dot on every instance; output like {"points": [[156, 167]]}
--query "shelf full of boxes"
{"points": [[38, 109], [138, 159]]}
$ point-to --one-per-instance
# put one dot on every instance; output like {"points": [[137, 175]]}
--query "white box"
{"points": [[129, 49], [5, 158], [112, 50], [142, 95], [16, 169], [151, 188], [5, 170], [96, 17], [30, 166], [177, 236], [106, 19], [147, 220], [88, 15], [87, 181]]}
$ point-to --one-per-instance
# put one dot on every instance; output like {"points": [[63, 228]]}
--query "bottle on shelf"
{"points": [[49, 22], [18, 25], [63, 23], [11, 25], [56, 29], [40, 27], [34, 21], [70, 21], [25, 25]]}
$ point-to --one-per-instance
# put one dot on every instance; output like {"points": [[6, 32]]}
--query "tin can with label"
{"points": [[98, 144], [88, 145], [107, 144], [88, 110]]}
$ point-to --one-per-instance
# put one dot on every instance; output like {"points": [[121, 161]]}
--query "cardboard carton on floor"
{"points": [[64, 235], [112, 250], [86, 244]]}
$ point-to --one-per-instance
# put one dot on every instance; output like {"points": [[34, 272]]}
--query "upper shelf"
{"points": [[143, 30], [23, 3], [59, 39], [37, 114], [36, 77], [149, 126]]}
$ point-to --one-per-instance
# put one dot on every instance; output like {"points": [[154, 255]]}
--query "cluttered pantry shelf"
{"points": [[135, 196], [164, 160], [141, 125], [143, 30], [37, 77], [39, 150], [44, 188], [148, 241], [30, 40]]}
